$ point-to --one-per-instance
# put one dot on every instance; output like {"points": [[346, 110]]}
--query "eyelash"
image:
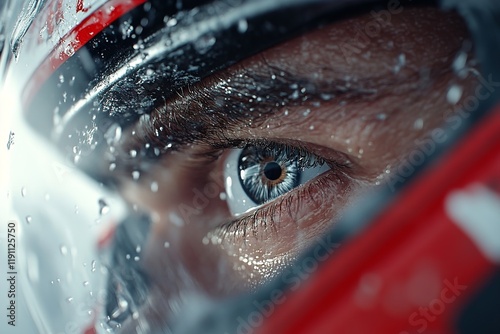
{"points": [[265, 214], [296, 150]]}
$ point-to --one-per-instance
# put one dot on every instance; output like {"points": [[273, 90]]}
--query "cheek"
{"points": [[281, 231]]}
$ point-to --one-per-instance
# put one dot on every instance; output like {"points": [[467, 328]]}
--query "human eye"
{"points": [[258, 174], [273, 190]]}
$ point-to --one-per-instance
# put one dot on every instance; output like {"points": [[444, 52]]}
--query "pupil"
{"points": [[272, 170]]}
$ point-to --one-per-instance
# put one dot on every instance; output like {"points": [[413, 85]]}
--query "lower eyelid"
{"points": [[319, 201]]}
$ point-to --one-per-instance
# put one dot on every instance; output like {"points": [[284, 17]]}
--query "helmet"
{"points": [[276, 167]]}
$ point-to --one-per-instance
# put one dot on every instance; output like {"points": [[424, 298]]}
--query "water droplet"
{"points": [[113, 134], [454, 94], [136, 258], [382, 117], [122, 304], [61, 78], [204, 43], [174, 218], [172, 22], [139, 45], [306, 112], [223, 196], [69, 50], [311, 127], [112, 166], [133, 153], [85, 283], [93, 265], [138, 249], [242, 26], [63, 249], [103, 207], [401, 63], [460, 62], [154, 186], [23, 192], [418, 124], [69, 299], [136, 174], [166, 244], [28, 219], [326, 97]]}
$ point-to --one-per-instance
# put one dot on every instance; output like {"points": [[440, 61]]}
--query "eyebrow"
{"points": [[205, 112]]}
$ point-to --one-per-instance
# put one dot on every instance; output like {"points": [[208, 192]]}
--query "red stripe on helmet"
{"points": [[81, 34]]}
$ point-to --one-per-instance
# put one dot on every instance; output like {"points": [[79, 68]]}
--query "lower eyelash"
{"points": [[269, 217]]}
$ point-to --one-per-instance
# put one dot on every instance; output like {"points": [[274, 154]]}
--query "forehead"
{"points": [[372, 45]]}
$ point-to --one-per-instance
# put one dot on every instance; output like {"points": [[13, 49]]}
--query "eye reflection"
{"points": [[257, 175]]}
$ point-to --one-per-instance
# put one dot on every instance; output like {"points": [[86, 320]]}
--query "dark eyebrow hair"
{"points": [[205, 112]]}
